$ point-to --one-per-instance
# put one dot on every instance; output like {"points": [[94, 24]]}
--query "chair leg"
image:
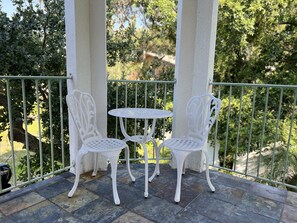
{"points": [[127, 155], [184, 168], [157, 167], [113, 158], [77, 173], [180, 159], [95, 164], [207, 172]]}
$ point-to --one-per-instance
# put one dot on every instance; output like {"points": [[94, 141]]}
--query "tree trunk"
{"points": [[19, 135]]}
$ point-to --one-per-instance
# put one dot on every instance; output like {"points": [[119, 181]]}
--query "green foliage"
{"points": [[256, 41], [136, 26], [32, 43], [36, 169]]}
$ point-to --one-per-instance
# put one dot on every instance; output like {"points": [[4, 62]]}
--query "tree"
{"points": [[137, 26], [256, 43], [32, 43]]}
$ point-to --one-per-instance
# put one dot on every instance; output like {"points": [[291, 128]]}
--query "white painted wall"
{"points": [[195, 51], [86, 62]]}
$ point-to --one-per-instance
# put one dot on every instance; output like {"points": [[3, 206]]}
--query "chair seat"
{"points": [[183, 144], [98, 144]]}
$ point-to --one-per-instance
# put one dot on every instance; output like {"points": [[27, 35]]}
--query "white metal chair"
{"points": [[201, 113], [83, 111]]}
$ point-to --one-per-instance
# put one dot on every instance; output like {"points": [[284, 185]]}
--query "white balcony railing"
{"points": [[255, 135], [256, 132], [34, 129]]}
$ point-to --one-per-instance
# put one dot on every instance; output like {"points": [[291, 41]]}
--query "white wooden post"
{"points": [[86, 62], [195, 51]]}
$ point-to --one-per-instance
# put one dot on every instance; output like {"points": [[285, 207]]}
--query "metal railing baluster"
{"points": [[251, 130], [238, 127], [263, 131], [49, 83], [39, 127], [26, 128], [61, 123], [216, 133], [11, 132], [276, 132], [227, 127], [289, 137]]}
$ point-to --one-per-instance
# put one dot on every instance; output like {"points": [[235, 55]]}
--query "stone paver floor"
{"points": [[235, 200]]}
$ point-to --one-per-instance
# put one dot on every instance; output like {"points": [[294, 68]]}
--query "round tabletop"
{"points": [[140, 113]]}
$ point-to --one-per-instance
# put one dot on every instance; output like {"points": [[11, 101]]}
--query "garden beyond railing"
{"points": [[33, 138], [255, 135]]}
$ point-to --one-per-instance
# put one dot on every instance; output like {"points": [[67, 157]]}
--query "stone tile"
{"points": [[4, 219], [128, 194], [131, 218], [166, 178], [14, 194], [20, 203], [100, 210], [102, 187], [292, 199], [235, 199], [86, 177], [266, 191], [156, 209], [184, 216], [243, 216], [218, 178], [228, 194], [32, 187], [55, 189], [210, 208], [80, 198], [41, 212], [66, 174], [187, 194], [44, 183], [67, 219], [261, 205], [139, 184], [289, 214], [123, 175], [167, 172]]}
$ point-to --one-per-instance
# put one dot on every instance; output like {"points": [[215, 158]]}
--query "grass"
{"points": [[150, 149], [6, 153]]}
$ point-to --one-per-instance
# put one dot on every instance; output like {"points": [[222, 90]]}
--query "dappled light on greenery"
{"points": [[256, 43]]}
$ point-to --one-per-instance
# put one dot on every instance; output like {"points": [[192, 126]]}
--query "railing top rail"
{"points": [[252, 85], [36, 77], [143, 81]]}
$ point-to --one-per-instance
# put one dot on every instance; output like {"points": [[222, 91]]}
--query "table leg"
{"points": [[157, 169], [145, 170]]}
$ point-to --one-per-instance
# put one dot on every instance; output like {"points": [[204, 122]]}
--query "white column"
{"points": [[195, 51], [86, 62]]}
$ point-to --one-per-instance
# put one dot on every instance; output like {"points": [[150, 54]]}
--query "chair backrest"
{"points": [[83, 111], [202, 112]]}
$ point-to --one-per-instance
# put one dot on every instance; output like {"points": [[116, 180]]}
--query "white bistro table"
{"points": [[146, 114]]}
